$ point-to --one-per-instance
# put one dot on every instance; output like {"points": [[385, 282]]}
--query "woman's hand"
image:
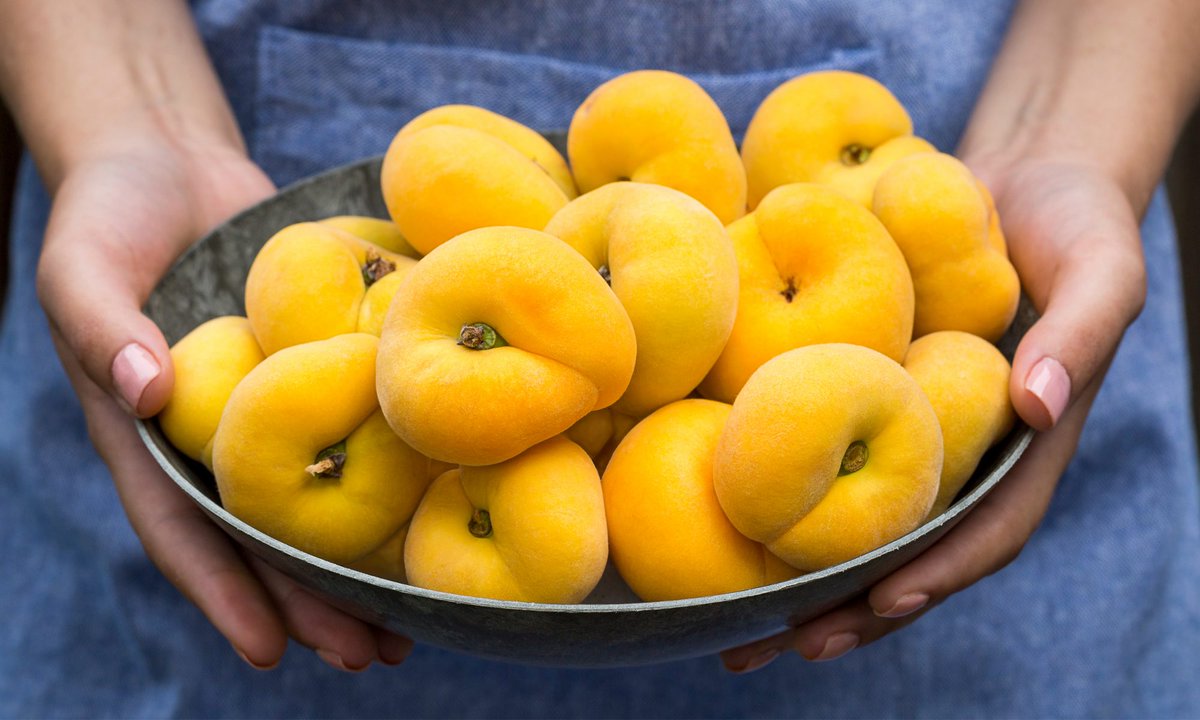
{"points": [[119, 219], [1074, 239], [1072, 132], [132, 133]]}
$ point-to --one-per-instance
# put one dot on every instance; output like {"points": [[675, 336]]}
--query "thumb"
{"points": [[95, 307], [1096, 288], [115, 228]]}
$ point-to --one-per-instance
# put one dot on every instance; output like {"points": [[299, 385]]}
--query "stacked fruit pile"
{"points": [[727, 338]]}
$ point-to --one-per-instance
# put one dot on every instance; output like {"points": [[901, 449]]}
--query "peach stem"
{"points": [[854, 459], [481, 523], [376, 268], [855, 154], [329, 462], [480, 336]]}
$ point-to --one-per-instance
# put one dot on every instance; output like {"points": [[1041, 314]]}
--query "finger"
{"points": [[119, 349], [106, 247], [393, 648], [825, 638], [343, 642], [191, 552], [1089, 283]]}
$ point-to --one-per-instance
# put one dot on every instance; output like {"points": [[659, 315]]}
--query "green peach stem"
{"points": [[481, 524], [480, 336], [855, 154], [376, 268], [855, 458], [330, 462]]}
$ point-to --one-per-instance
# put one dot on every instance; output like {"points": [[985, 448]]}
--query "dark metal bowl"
{"points": [[612, 627]]}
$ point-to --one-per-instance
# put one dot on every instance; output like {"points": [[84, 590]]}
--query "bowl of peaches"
{"points": [[614, 396]]}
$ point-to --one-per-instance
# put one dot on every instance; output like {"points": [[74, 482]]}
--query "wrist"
{"points": [[92, 78], [1099, 85]]}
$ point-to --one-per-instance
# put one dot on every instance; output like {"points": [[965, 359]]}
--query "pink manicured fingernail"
{"points": [[837, 645], [1049, 383], [132, 370], [906, 605]]}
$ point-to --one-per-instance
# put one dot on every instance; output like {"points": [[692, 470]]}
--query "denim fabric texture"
{"points": [[1098, 617]]}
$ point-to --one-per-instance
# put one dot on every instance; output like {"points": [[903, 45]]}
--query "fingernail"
{"points": [[333, 659], [253, 664], [906, 605], [837, 645], [393, 649], [1049, 383], [132, 370], [762, 659]]}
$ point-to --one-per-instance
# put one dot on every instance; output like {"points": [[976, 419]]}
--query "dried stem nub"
{"points": [[480, 336], [790, 291], [855, 154], [481, 523], [376, 267], [329, 462], [855, 458]]}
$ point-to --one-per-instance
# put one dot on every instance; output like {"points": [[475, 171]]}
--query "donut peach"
{"points": [[659, 127], [303, 453], [831, 126], [311, 281], [498, 340], [966, 380], [529, 529], [671, 264], [944, 222], [454, 170], [209, 362], [815, 267], [830, 451]]}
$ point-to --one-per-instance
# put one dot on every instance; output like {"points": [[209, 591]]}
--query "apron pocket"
{"points": [[324, 100]]}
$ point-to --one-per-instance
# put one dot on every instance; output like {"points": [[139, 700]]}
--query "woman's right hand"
{"points": [[121, 215]]}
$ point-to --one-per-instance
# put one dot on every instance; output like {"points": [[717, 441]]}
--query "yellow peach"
{"points": [[530, 529], [386, 561], [815, 267], [671, 264], [933, 207], [375, 303], [383, 233], [593, 432], [824, 125], [966, 380], [659, 127], [668, 536], [497, 340], [442, 180], [303, 453], [309, 281], [830, 451], [527, 141], [209, 362]]}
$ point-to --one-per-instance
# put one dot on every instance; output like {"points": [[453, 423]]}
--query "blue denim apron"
{"points": [[1099, 616]]}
